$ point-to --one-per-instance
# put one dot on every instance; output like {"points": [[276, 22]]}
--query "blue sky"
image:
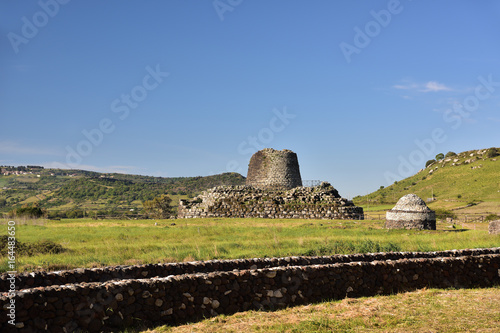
{"points": [[363, 91]]}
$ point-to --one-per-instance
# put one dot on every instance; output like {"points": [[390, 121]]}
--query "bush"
{"points": [[32, 212], [74, 214], [444, 213], [459, 196], [429, 162], [31, 249], [491, 217], [492, 152], [439, 156], [450, 154]]}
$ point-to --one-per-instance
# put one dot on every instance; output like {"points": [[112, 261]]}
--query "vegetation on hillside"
{"points": [[457, 180], [78, 193]]}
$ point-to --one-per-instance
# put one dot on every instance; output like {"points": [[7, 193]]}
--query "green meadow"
{"points": [[96, 243]]}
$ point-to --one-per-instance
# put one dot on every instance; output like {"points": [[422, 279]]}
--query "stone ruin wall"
{"points": [[104, 299], [320, 202], [274, 169], [410, 220]]}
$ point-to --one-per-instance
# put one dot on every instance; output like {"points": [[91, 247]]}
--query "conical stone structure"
{"points": [[411, 212], [274, 169]]}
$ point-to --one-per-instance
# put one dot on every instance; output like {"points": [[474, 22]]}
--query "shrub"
{"points": [[492, 152], [31, 249], [450, 154], [491, 217], [33, 212], [74, 214], [459, 196], [429, 162], [439, 156], [444, 213]]}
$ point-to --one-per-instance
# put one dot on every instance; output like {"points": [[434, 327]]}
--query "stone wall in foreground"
{"points": [[115, 304], [319, 202]]}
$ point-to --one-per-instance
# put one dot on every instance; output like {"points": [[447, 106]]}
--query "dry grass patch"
{"points": [[427, 310]]}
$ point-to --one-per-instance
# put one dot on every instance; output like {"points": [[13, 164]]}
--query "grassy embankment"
{"points": [[91, 243], [455, 185]]}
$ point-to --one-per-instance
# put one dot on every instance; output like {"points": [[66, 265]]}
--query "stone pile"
{"points": [[319, 202], [411, 212], [115, 304]]}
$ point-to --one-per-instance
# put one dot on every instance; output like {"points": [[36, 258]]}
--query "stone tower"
{"points": [[274, 169]]}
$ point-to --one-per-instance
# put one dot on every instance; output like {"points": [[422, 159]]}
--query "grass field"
{"points": [[427, 310], [92, 243]]}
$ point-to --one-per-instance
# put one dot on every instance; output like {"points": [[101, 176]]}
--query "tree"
{"points": [[439, 156], [159, 207], [450, 154], [429, 162]]}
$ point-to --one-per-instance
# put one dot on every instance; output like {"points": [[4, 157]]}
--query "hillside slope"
{"points": [[67, 190], [470, 178]]}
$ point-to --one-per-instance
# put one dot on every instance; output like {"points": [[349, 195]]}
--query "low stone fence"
{"points": [[104, 274], [115, 304]]}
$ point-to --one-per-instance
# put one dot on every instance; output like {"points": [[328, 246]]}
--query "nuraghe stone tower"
{"points": [[274, 169], [273, 190]]}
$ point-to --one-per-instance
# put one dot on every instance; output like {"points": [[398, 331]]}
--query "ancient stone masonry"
{"points": [[273, 190], [411, 212], [494, 227], [191, 291], [274, 169], [320, 202]]}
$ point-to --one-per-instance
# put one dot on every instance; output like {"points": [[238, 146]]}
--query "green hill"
{"points": [[79, 191], [468, 179]]}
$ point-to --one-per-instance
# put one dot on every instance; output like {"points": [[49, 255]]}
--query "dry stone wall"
{"points": [[177, 298], [320, 202], [275, 169]]}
